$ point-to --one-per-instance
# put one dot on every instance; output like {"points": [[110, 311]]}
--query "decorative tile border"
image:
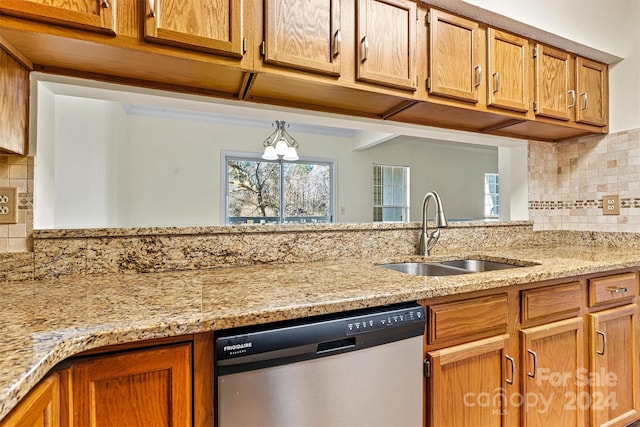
{"points": [[536, 205]]}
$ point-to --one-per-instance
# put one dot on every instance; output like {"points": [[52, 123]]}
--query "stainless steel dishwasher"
{"points": [[362, 368]]}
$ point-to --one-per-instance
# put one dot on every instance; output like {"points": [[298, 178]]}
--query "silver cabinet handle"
{"points": [[365, 48], [478, 75], [604, 342], [337, 42], [585, 104], [104, 4], [152, 6], [496, 77], [617, 289], [513, 369], [573, 98], [535, 363]]}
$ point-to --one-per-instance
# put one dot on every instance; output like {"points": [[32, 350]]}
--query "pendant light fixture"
{"points": [[280, 144]]}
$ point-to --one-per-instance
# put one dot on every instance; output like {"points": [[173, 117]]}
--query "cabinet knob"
{"points": [[365, 48], [337, 42], [573, 98], [478, 75], [535, 363], [585, 103], [604, 342]]}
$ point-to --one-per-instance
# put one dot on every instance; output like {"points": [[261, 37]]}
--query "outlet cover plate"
{"points": [[8, 205], [611, 205]]}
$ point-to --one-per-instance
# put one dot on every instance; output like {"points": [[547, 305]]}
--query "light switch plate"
{"points": [[611, 205]]}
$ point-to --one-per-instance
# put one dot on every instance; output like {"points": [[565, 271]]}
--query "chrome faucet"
{"points": [[429, 240]]}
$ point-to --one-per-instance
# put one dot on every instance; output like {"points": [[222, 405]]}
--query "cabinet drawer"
{"points": [[474, 318], [606, 290], [553, 302]]}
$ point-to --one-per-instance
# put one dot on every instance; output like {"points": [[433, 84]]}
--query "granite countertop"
{"points": [[45, 322]]}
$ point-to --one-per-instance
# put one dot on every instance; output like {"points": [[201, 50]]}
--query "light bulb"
{"points": [[270, 153], [291, 155], [281, 147]]}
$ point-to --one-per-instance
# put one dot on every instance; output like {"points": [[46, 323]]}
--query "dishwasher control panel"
{"points": [[376, 322]]}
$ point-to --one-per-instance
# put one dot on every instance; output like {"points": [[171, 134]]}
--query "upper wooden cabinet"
{"points": [[213, 25], [592, 91], [386, 43], [454, 67], [95, 15], [554, 96], [507, 56], [14, 104], [572, 93], [303, 34]]}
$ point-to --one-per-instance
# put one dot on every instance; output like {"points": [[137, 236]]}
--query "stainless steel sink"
{"points": [[448, 268], [478, 265], [425, 269]]}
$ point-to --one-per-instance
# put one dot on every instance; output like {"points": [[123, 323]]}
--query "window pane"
{"points": [[390, 191], [254, 190], [307, 189]]}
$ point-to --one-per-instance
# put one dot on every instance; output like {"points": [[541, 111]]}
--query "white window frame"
{"points": [[407, 207], [488, 193], [243, 155]]}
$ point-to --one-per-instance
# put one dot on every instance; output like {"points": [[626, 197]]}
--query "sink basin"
{"points": [[478, 265], [448, 268], [425, 268]]}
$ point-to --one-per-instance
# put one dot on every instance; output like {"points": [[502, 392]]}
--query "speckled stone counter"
{"points": [[47, 321]]}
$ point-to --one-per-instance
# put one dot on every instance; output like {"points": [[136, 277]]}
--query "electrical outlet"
{"points": [[8, 205], [611, 205]]}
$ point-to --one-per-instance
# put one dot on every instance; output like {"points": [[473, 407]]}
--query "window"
{"points": [[491, 205], [390, 193], [261, 191]]}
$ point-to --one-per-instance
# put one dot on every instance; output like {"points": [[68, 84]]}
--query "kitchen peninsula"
{"points": [[53, 319]]}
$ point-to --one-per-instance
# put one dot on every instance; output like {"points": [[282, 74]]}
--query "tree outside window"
{"points": [[260, 191]]}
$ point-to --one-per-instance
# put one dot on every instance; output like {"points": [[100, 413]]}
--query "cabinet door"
{"points": [[507, 71], [467, 385], [386, 43], [552, 365], [592, 90], [554, 94], [14, 104], [96, 15], [454, 70], [41, 407], [303, 34], [212, 25], [614, 366], [150, 387]]}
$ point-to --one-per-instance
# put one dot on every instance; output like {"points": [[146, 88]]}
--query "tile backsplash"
{"points": [[567, 181], [17, 171]]}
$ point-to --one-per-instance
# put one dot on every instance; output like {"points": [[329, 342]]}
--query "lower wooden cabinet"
{"points": [[615, 385], [135, 384], [553, 374], [148, 387], [467, 384], [41, 407]]}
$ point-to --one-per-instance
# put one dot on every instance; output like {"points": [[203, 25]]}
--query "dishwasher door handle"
{"points": [[337, 345]]}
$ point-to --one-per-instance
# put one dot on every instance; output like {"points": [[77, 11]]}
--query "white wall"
{"points": [[119, 170], [611, 26], [87, 136]]}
